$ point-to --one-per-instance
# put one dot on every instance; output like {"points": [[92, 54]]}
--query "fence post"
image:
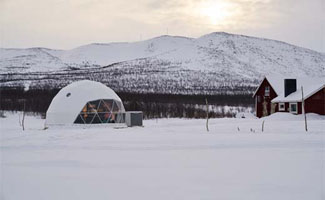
{"points": [[207, 123], [303, 107]]}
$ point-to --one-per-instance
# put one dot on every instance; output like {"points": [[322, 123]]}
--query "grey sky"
{"points": [[66, 24]]}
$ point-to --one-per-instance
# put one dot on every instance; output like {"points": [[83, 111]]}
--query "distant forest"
{"points": [[152, 105]]}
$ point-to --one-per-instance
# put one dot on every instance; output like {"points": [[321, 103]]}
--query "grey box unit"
{"points": [[133, 118]]}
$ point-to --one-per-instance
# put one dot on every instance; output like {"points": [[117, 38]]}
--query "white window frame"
{"points": [[267, 92], [294, 112], [284, 107]]}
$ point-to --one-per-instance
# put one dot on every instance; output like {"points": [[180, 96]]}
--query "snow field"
{"points": [[165, 159]]}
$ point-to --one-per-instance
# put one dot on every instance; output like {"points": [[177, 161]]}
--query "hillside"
{"points": [[214, 63]]}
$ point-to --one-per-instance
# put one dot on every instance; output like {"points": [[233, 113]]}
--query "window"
{"points": [[101, 111], [267, 91], [293, 108], [258, 99], [281, 107]]}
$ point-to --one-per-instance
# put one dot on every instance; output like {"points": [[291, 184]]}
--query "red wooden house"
{"points": [[275, 94]]}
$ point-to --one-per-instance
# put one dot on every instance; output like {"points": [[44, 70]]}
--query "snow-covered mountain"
{"points": [[213, 63]]}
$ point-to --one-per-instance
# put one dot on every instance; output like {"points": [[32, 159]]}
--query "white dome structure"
{"points": [[85, 102]]}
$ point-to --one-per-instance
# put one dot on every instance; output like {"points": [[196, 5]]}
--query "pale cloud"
{"points": [[70, 23]]}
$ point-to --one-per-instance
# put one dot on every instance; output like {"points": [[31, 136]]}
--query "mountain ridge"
{"points": [[174, 63], [175, 36]]}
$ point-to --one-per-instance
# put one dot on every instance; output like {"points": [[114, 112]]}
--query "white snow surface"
{"points": [[70, 100], [165, 159]]}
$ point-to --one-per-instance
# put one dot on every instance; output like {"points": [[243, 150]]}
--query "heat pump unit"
{"points": [[133, 118]]}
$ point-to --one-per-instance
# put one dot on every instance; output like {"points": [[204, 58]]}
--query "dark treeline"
{"points": [[35, 100], [152, 105], [220, 99]]}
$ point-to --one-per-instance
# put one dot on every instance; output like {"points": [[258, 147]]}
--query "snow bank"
{"points": [[284, 116]]}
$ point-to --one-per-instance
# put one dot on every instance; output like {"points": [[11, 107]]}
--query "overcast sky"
{"points": [[66, 24]]}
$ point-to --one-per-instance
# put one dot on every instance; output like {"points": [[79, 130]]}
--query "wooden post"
{"points": [[263, 126], [23, 120], [207, 124], [303, 107]]}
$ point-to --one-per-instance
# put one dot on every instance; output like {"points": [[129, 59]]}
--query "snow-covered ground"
{"points": [[165, 159]]}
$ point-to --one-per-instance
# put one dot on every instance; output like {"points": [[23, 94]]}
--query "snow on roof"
{"points": [[276, 81], [67, 104], [310, 87]]}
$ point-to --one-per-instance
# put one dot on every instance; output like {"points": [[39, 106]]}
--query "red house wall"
{"points": [[299, 105], [316, 103], [261, 92], [286, 105]]}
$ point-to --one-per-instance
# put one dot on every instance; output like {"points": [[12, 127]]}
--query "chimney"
{"points": [[290, 86]]}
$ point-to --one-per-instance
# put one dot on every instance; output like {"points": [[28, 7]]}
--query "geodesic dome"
{"points": [[85, 102]]}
